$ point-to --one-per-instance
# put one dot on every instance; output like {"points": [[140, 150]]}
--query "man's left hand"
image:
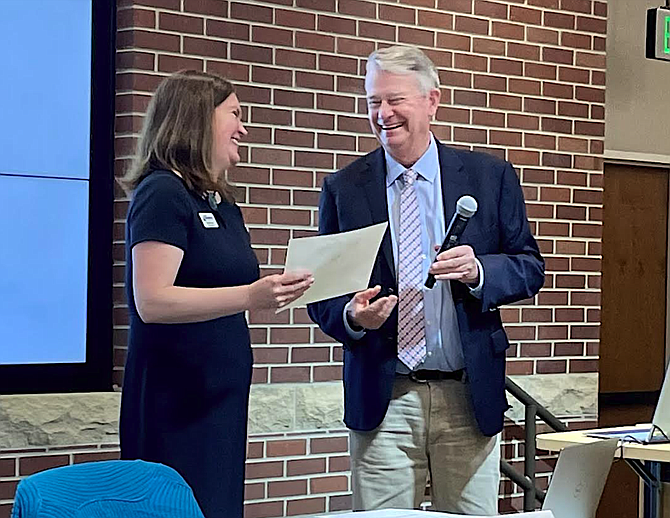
{"points": [[456, 264]]}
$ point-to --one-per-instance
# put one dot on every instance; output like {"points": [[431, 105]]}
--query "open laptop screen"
{"points": [[579, 478], [657, 432]]}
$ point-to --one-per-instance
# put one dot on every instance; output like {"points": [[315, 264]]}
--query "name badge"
{"points": [[208, 220]]}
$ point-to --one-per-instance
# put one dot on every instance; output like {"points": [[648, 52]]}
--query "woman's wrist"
{"points": [[247, 297]]}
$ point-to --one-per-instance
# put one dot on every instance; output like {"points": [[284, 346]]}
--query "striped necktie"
{"points": [[411, 326]]}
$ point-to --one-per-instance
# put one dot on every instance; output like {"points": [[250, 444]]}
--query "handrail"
{"points": [[525, 398], [521, 481], [533, 410]]}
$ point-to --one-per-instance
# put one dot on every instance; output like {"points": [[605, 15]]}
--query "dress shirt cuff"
{"points": [[477, 290], [354, 334]]}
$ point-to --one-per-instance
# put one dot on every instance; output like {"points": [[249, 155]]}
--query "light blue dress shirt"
{"points": [[443, 343], [444, 350]]}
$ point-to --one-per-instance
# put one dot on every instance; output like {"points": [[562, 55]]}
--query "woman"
{"points": [[191, 274]]}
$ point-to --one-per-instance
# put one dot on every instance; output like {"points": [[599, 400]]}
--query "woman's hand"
{"points": [[275, 291], [159, 301]]}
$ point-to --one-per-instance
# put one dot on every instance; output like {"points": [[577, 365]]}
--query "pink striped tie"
{"points": [[411, 327]]}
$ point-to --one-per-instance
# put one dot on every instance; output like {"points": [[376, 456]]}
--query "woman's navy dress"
{"points": [[186, 386]]}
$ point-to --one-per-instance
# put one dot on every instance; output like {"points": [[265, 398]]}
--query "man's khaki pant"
{"points": [[429, 429]]}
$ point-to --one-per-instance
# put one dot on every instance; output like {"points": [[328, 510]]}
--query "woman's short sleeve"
{"points": [[160, 211]]}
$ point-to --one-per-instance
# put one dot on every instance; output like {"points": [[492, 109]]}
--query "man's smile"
{"points": [[391, 126]]}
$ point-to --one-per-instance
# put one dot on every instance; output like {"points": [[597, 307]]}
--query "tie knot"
{"points": [[409, 176]]}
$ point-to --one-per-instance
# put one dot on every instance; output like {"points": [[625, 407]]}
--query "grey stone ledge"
{"points": [[47, 420], [564, 395]]}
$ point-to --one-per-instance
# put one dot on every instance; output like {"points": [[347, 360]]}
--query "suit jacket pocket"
{"points": [[499, 342]]}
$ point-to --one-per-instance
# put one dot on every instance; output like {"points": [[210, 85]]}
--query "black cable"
{"points": [[655, 428], [631, 438]]}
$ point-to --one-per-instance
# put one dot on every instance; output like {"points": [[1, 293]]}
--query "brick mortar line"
{"points": [[360, 59], [358, 76], [586, 240], [306, 10], [330, 73], [328, 345], [291, 226], [286, 147], [317, 131], [299, 497], [331, 170], [357, 115], [301, 456], [416, 9], [377, 4], [571, 221], [314, 433], [435, 30], [250, 24]]}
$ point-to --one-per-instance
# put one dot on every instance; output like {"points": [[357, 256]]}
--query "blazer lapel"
{"points": [[454, 185], [373, 184], [454, 182]]}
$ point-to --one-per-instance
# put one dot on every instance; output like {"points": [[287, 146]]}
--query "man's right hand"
{"points": [[370, 315]]}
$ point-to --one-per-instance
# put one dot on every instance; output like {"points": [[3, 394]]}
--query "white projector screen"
{"points": [[48, 194], [44, 172]]}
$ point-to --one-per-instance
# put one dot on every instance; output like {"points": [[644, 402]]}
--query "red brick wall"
{"points": [[287, 474], [522, 79]]}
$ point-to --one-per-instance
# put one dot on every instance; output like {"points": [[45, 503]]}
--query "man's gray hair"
{"points": [[405, 59]]}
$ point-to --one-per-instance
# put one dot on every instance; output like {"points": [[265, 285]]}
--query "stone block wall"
{"points": [[297, 460]]}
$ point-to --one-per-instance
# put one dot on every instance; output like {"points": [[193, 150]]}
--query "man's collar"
{"points": [[427, 166]]}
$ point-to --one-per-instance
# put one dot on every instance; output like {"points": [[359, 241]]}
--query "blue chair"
{"points": [[106, 489]]}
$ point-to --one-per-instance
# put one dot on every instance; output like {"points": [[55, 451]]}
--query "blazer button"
{"points": [[391, 291]]}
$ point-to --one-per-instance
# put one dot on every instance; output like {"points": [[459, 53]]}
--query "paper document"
{"points": [[408, 513], [340, 263]]}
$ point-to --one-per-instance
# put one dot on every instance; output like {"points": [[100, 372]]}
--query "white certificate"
{"points": [[340, 263]]}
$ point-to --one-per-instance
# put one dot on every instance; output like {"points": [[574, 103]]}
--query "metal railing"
{"points": [[533, 410]]}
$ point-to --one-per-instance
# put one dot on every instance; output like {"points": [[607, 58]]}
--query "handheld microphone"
{"points": [[466, 206]]}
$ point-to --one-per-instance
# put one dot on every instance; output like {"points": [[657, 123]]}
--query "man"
{"points": [[424, 369]]}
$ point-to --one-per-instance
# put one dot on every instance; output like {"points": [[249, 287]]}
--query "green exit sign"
{"points": [[658, 33]]}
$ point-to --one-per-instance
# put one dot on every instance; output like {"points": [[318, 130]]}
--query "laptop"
{"points": [[574, 491], [579, 478], [656, 432]]}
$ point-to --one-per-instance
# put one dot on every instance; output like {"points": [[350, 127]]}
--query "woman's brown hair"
{"points": [[177, 132]]}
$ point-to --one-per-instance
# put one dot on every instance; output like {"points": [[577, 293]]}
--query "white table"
{"points": [[644, 459]]}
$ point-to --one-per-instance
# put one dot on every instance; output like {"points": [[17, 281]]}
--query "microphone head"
{"points": [[466, 206]]}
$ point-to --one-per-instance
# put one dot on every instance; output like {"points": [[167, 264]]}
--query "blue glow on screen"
{"points": [[45, 105], [45, 94], [44, 271]]}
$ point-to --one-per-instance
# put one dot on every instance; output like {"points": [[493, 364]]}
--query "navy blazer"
{"points": [[355, 197]]}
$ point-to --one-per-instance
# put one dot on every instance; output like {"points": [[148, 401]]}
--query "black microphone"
{"points": [[466, 206]]}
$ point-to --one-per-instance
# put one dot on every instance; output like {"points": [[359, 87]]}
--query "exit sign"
{"points": [[658, 33]]}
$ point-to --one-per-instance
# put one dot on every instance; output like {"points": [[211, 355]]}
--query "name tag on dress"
{"points": [[208, 220]]}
